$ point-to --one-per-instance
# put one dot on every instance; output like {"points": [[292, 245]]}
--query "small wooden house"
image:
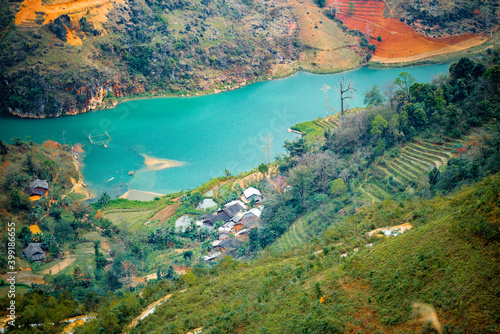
{"points": [[34, 252]]}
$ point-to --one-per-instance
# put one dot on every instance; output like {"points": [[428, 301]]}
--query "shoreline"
{"points": [[78, 187], [431, 57], [140, 195], [378, 62]]}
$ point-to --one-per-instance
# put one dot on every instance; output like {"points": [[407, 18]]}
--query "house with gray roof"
{"points": [[34, 252], [37, 183]]}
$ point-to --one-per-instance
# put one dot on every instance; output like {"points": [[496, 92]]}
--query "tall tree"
{"points": [[404, 81], [3, 149], [325, 89], [104, 199], [373, 96], [100, 260], [346, 91]]}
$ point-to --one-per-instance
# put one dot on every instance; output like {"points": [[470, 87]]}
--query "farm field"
{"points": [[398, 40], [406, 168]]}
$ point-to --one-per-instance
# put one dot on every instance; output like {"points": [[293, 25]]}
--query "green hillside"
{"points": [[321, 259], [450, 261]]}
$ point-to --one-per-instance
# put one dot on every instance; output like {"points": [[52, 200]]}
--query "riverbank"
{"points": [[139, 195], [79, 187]]}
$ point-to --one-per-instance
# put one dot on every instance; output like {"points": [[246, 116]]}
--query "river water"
{"points": [[208, 133]]}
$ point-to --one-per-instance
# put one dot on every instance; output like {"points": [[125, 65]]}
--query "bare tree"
{"points": [[390, 93], [325, 89], [346, 90], [336, 6], [267, 148]]}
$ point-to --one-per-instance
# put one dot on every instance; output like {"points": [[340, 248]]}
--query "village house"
{"points": [[228, 246], [37, 189], [252, 193], [34, 252], [209, 220]]}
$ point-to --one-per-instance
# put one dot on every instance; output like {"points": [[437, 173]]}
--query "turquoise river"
{"points": [[208, 133]]}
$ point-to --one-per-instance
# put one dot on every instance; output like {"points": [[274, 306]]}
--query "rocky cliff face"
{"points": [[158, 47]]}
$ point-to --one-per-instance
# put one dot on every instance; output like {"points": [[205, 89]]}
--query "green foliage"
{"points": [[320, 3], [100, 260], [338, 188], [351, 8], [19, 201], [378, 125], [104, 199], [263, 168], [404, 81], [373, 96]]}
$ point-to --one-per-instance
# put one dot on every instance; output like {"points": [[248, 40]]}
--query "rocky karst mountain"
{"points": [[64, 57]]}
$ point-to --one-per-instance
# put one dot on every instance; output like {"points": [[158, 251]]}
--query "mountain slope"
{"points": [[446, 262]]}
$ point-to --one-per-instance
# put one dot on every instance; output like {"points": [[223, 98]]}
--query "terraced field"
{"points": [[303, 230], [406, 168], [316, 128]]}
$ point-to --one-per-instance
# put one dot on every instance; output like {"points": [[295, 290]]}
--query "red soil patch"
{"points": [[165, 213], [398, 39]]}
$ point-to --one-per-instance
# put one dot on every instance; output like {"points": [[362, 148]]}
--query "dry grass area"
{"points": [[130, 219], [33, 11], [328, 48]]}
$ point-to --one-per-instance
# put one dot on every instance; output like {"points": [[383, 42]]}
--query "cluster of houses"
{"points": [[37, 189], [233, 223]]}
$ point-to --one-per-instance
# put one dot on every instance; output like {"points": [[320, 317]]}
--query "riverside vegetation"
{"points": [[429, 157]]}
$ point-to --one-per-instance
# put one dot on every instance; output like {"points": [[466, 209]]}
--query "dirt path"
{"points": [[56, 268], [147, 311]]}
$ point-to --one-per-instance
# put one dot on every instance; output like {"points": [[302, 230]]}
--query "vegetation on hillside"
{"points": [[313, 267], [447, 17]]}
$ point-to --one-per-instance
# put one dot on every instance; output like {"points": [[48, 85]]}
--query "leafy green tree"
{"points": [[62, 231], [434, 176], [112, 282], [404, 81], [378, 125], [300, 180], [104, 199], [19, 201], [338, 188], [320, 3], [295, 148], [380, 149], [187, 255], [100, 260], [419, 117], [4, 149], [263, 168], [351, 8], [195, 198], [17, 141], [75, 224], [25, 235], [373, 97]]}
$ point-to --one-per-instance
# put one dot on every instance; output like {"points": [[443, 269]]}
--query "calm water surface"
{"points": [[209, 133]]}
